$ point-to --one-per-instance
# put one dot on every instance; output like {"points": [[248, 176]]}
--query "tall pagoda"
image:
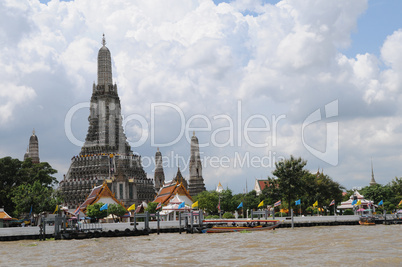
{"points": [[33, 148], [106, 155], [196, 182]]}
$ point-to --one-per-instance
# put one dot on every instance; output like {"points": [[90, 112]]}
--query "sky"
{"points": [[257, 81]]}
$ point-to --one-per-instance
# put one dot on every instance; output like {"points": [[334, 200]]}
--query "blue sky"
{"points": [[279, 64]]}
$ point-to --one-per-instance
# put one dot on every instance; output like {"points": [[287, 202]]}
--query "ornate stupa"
{"points": [[106, 155], [196, 182], [33, 148]]}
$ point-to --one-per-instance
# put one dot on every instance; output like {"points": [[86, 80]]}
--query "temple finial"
{"points": [[103, 40], [193, 133], [157, 149], [33, 131]]}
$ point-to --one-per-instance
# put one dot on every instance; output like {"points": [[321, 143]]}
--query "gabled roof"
{"points": [[98, 192], [169, 191], [4, 215], [262, 184]]}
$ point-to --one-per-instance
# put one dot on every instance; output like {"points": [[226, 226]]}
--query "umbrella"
{"points": [[368, 209], [399, 211], [361, 210]]}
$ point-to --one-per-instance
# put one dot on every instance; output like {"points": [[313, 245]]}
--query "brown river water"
{"points": [[379, 245]]}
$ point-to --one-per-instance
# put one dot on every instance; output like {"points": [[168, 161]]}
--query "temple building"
{"points": [[106, 155], [171, 195], [196, 182], [33, 149], [159, 175]]}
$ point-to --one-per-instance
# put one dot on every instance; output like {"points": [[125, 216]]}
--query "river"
{"points": [[379, 245]]}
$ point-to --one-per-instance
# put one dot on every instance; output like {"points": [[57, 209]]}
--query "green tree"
{"points": [[9, 178], [289, 173], [94, 211], [227, 203], [116, 210], [24, 185], [208, 201], [151, 207], [271, 193], [377, 193]]}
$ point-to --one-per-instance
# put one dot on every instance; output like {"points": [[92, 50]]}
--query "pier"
{"points": [[185, 225]]}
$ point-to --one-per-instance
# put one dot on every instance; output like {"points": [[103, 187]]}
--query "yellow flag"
{"points": [[57, 208], [195, 204], [261, 204], [400, 203], [132, 207], [315, 204], [358, 203]]}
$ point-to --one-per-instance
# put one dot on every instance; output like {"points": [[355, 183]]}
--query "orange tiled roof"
{"points": [[169, 191], [97, 193], [4, 215], [262, 184]]}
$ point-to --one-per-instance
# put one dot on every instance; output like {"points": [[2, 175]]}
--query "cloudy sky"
{"points": [[256, 80]]}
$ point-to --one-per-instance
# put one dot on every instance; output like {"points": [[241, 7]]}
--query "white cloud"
{"points": [[281, 59]]}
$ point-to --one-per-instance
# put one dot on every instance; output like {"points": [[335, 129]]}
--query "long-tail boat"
{"points": [[223, 226]]}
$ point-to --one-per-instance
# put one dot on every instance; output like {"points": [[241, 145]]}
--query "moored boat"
{"points": [[367, 220], [241, 225]]}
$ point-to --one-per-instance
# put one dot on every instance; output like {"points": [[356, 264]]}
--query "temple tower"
{"points": [[372, 182], [106, 155], [180, 179], [33, 149], [196, 182], [159, 175]]}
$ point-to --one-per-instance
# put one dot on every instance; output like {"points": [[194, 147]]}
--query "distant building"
{"points": [[106, 156], [260, 185], [196, 181], [33, 149], [159, 175]]}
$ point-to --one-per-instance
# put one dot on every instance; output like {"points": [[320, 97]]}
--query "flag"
{"points": [[400, 203], [354, 202], [57, 208], [315, 204], [278, 203], [219, 188], [332, 203], [104, 207], [240, 206], [77, 210], [261, 204], [181, 205], [297, 202], [132, 207], [358, 203], [380, 203], [159, 206], [195, 204], [219, 205]]}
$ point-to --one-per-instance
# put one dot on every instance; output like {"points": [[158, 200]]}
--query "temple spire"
{"points": [[104, 65], [372, 182]]}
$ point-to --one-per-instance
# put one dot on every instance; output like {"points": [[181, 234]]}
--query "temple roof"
{"points": [[169, 191], [97, 193], [4, 215]]}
